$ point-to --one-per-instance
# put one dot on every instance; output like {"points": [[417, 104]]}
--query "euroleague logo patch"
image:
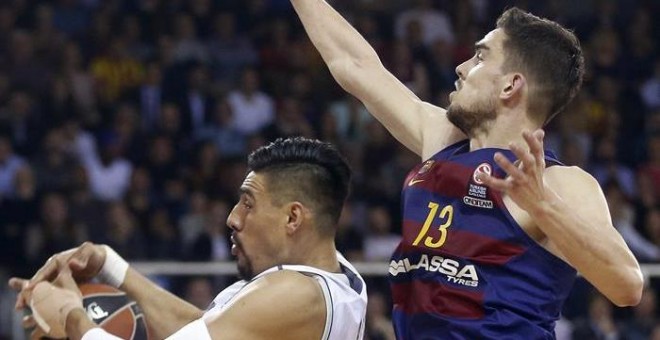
{"points": [[482, 168], [478, 193]]}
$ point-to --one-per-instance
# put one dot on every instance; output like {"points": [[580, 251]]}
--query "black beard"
{"points": [[245, 272], [470, 121]]}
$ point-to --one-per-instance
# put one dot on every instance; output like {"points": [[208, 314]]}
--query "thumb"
{"points": [[65, 280], [78, 264]]}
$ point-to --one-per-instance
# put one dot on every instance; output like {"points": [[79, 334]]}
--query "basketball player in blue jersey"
{"points": [[295, 284], [494, 227]]}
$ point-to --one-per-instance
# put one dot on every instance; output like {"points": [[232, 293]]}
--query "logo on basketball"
{"points": [[95, 311], [482, 168]]}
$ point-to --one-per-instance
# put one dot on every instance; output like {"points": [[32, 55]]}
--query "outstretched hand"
{"points": [[524, 183], [82, 263]]}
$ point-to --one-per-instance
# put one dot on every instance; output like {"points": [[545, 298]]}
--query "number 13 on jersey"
{"points": [[447, 214]]}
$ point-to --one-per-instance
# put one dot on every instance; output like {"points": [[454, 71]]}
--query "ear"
{"points": [[296, 215], [514, 84]]}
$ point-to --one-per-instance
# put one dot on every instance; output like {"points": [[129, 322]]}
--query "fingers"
{"points": [[528, 161], [535, 142], [80, 257], [65, 280], [46, 273], [494, 183], [17, 284], [38, 334], [29, 321], [513, 171]]}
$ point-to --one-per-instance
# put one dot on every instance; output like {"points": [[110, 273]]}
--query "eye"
{"points": [[247, 204], [479, 56]]}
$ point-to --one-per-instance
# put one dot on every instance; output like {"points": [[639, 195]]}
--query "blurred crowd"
{"points": [[127, 122]]}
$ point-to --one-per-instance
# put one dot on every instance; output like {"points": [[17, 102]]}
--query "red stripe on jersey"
{"points": [[437, 298], [450, 180], [471, 246]]}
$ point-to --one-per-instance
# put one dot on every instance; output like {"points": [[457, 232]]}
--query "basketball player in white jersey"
{"points": [[295, 284]]}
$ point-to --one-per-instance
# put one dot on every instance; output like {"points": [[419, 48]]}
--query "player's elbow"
{"points": [[630, 291]]}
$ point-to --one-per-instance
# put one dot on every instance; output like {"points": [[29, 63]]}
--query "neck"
{"points": [[505, 129], [320, 254]]}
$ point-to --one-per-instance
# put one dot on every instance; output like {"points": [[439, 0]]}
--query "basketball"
{"points": [[114, 311]]}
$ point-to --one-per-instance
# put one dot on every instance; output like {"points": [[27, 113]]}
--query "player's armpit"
{"points": [[281, 305], [577, 221]]}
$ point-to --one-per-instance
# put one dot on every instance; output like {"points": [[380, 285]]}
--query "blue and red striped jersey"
{"points": [[464, 268]]}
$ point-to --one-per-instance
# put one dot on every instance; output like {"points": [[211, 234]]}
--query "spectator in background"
{"points": [[141, 198], [351, 118], [606, 167], [252, 108], [380, 241], [650, 89], [151, 96], [123, 232], [289, 121], [645, 317], [55, 230], [349, 238], [623, 219], [196, 102], [434, 24], [163, 237], [230, 51], [199, 291], [212, 243], [21, 121], [187, 45], [221, 132], [54, 167], [108, 171], [599, 323], [16, 214], [194, 220], [379, 324], [115, 72], [650, 169], [10, 163]]}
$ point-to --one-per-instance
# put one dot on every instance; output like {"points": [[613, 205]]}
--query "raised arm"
{"points": [[421, 127]]}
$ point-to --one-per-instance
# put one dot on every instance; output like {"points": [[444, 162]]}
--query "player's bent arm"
{"points": [[165, 312], [356, 67], [281, 305], [576, 220]]}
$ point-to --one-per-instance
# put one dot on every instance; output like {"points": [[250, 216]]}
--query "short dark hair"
{"points": [[547, 53], [306, 170]]}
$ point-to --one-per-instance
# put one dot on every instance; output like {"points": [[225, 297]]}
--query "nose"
{"points": [[233, 222], [460, 70]]}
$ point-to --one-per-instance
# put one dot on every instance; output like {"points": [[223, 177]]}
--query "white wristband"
{"points": [[98, 334], [114, 268]]}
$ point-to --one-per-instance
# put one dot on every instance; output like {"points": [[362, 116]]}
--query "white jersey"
{"points": [[345, 298]]}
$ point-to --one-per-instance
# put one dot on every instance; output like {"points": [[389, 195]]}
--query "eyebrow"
{"points": [[481, 46], [246, 191]]}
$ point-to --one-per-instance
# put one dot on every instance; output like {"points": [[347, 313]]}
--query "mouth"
{"points": [[235, 245], [458, 85]]}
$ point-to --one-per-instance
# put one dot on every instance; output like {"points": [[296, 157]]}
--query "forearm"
{"points": [[596, 250], [332, 35], [77, 324], [165, 313]]}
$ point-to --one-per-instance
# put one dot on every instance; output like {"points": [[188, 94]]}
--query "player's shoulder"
{"points": [[286, 291], [570, 179], [274, 305]]}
